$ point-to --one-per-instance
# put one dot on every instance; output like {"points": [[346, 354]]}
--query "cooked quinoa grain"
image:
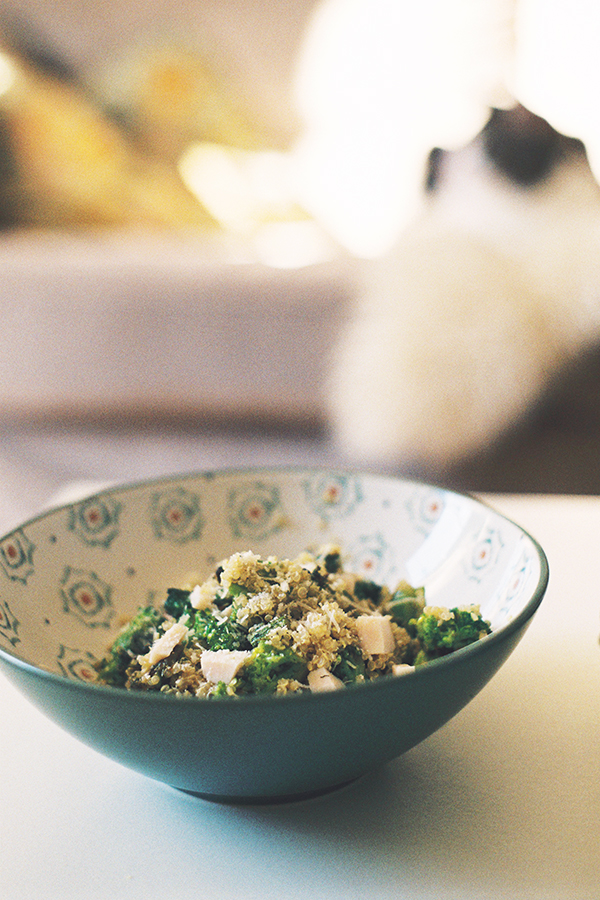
{"points": [[268, 625]]}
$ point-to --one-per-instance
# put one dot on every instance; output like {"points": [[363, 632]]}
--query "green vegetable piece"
{"points": [[439, 637], [269, 573], [403, 610], [332, 562], [405, 589], [367, 590], [219, 690], [320, 577], [262, 630], [350, 665], [177, 602], [217, 634], [468, 628], [225, 597], [266, 666], [135, 639], [421, 658], [406, 605]]}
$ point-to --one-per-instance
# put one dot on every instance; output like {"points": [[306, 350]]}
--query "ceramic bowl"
{"points": [[70, 577]]}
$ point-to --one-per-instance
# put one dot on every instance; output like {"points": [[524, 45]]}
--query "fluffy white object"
{"points": [[460, 328]]}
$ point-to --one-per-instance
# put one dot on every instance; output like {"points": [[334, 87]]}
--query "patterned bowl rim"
{"points": [[499, 634]]}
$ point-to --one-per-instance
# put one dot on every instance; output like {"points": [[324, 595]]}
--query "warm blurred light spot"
{"points": [[292, 245], [240, 188], [214, 176], [8, 74]]}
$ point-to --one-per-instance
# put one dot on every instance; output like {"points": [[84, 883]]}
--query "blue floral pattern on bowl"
{"points": [[511, 588], [16, 556], [425, 509], [87, 597], [76, 664], [95, 520], [371, 557], [255, 510], [332, 494], [9, 625], [519, 577], [176, 515], [485, 553]]}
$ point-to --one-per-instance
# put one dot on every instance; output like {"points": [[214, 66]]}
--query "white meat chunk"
{"points": [[222, 665], [402, 669], [322, 680], [375, 634], [162, 646]]}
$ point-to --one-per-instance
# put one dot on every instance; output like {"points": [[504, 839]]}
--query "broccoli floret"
{"points": [[266, 666], [177, 602], [219, 690], [350, 665], [135, 639], [406, 604], [219, 634], [440, 635]]}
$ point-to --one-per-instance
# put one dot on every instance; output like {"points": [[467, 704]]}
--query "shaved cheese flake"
{"points": [[375, 634], [222, 665], [202, 595], [320, 680]]}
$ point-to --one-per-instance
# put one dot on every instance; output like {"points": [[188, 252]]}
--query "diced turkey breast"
{"points": [[402, 669], [375, 634], [322, 680], [222, 665]]}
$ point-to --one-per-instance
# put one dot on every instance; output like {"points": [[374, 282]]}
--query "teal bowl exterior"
{"points": [[267, 749]]}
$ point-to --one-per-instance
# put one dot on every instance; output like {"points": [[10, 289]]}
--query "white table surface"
{"points": [[503, 802]]}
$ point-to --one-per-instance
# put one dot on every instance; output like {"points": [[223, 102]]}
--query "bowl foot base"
{"points": [[269, 801]]}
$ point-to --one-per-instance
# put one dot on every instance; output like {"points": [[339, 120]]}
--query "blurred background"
{"points": [[190, 195]]}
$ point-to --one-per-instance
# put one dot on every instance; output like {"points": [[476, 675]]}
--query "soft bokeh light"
{"points": [[240, 188], [216, 178], [8, 74], [254, 194]]}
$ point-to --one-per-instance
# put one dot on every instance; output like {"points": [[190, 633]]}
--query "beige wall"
{"points": [[258, 37]]}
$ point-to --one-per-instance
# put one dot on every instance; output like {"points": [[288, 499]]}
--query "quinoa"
{"points": [[268, 625]]}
